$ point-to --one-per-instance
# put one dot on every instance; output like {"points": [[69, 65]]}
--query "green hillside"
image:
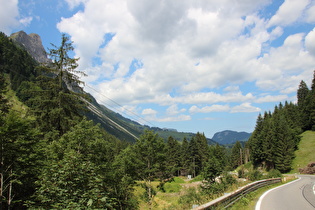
{"points": [[305, 153]]}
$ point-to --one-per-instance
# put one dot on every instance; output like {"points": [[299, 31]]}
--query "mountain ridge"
{"points": [[230, 137]]}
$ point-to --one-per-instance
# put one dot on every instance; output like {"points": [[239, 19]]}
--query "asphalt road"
{"points": [[296, 195]]}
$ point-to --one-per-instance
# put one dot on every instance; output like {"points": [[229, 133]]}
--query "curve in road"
{"points": [[291, 196]]}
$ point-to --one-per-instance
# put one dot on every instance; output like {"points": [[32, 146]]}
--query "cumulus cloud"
{"points": [[289, 12], [174, 118], [10, 13], [149, 112], [270, 98], [310, 42], [207, 109], [245, 107], [74, 3], [310, 13], [26, 21], [173, 110], [189, 49]]}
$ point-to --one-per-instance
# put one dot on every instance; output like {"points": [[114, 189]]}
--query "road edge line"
{"points": [[257, 207]]}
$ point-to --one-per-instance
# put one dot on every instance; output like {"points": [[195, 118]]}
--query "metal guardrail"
{"points": [[229, 199]]}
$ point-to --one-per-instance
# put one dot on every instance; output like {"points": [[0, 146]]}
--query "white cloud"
{"points": [[207, 109], [173, 110], [9, 14], [245, 107], [270, 98], [232, 89], [149, 112], [74, 3], [310, 14], [26, 21], [310, 42], [188, 50], [289, 12], [174, 118]]}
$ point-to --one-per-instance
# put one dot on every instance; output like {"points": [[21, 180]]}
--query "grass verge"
{"points": [[305, 153]]}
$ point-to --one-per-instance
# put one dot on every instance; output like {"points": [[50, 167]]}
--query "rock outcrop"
{"points": [[33, 45], [309, 169]]}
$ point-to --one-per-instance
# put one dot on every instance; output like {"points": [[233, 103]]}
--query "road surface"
{"points": [[295, 195]]}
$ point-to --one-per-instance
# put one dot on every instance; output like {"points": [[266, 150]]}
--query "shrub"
{"points": [[254, 175], [172, 187], [191, 197], [274, 173]]}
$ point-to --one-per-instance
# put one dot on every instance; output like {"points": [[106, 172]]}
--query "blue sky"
{"points": [[192, 65]]}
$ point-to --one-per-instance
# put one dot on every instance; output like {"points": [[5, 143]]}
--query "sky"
{"points": [[190, 65]]}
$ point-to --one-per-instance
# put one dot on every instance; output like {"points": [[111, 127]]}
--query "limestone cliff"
{"points": [[33, 44]]}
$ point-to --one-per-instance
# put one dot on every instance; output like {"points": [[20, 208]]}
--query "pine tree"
{"points": [[173, 155], [236, 155], [256, 141], [312, 104], [185, 156], [304, 102]]}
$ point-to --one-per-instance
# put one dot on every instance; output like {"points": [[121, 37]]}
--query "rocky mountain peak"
{"points": [[33, 45]]}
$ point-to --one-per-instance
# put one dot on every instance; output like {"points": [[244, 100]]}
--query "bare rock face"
{"points": [[33, 45], [309, 169]]}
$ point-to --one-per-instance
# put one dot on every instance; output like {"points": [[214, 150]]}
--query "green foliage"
{"points": [[79, 173], [275, 138], [16, 62], [236, 156], [20, 158], [4, 105], [190, 197], [172, 187], [173, 155], [254, 175], [276, 135], [305, 152], [178, 180], [72, 183], [274, 173], [199, 152]]}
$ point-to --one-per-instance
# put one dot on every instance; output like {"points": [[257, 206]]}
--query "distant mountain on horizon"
{"points": [[230, 137]]}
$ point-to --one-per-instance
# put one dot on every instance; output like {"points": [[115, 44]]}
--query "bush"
{"points": [[274, 173], [241, 173], [178, 180], [172, 187], [191, 197], [228, 179], [254, 175], [197, 179]]}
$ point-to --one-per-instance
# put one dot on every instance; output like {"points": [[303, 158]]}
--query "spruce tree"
{"points": [[173, 155], [58, 103], [304, 105], [236, 155]]}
